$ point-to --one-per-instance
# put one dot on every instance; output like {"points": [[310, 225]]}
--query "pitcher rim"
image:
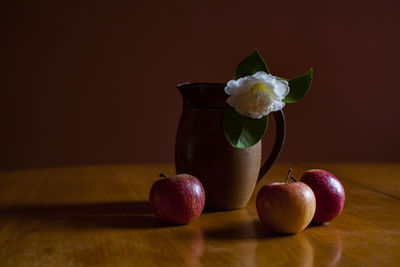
{"points": [[180, 85]]}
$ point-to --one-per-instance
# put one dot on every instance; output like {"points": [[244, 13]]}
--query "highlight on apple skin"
{"points": [[329, 193], [286, 207], [178, 200]]}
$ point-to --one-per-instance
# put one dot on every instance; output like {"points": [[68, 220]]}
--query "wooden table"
{"points": [[100, 216]]}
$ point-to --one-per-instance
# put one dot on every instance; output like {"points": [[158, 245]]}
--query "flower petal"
{"points": [[257, 101], [281, 88]]}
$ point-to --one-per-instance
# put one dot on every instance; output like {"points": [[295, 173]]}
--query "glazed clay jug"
{"points": [[229, 175]]}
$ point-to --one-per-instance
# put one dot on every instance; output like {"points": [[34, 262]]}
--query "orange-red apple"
{"points": [[286, 207]]}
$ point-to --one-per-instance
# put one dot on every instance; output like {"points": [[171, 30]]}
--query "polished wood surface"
{"points": [[100, 216]]}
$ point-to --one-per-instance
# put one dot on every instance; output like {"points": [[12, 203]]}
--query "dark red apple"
{"points": [[329, 193], [179, 199], [286, 207]]}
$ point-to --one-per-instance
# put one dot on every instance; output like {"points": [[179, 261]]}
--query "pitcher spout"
{"points": [[203, 95]]}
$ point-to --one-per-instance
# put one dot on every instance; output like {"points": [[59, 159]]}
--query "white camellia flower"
{"points": [[257, 95]]}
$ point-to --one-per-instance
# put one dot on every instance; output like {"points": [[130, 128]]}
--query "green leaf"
{"points": [[242, 131], [250, 65], [299, 86]]}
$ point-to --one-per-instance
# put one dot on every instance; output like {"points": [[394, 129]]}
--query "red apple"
{"points": [[286, 207], [179, 199], [329, 193]]}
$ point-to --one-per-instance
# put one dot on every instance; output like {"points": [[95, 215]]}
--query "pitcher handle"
{"points": [[279, 140]]}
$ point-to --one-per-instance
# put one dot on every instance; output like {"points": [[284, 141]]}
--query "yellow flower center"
{"points": [[258, 87]]}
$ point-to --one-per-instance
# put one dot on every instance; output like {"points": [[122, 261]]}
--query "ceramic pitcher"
{"points": [[229, 175]]}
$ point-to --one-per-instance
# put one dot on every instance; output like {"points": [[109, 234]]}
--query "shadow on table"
{"points": [[243, 230], [129, 214]]}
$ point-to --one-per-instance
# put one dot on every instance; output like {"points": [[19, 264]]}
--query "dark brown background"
{"points": [[89, 82]]}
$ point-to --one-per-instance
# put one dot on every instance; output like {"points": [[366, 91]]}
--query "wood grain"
{"points": [[100, 216]]}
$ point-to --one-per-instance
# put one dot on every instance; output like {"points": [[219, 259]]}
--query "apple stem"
{"points": [[163, 175], [288, 175], [292, 177]]}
